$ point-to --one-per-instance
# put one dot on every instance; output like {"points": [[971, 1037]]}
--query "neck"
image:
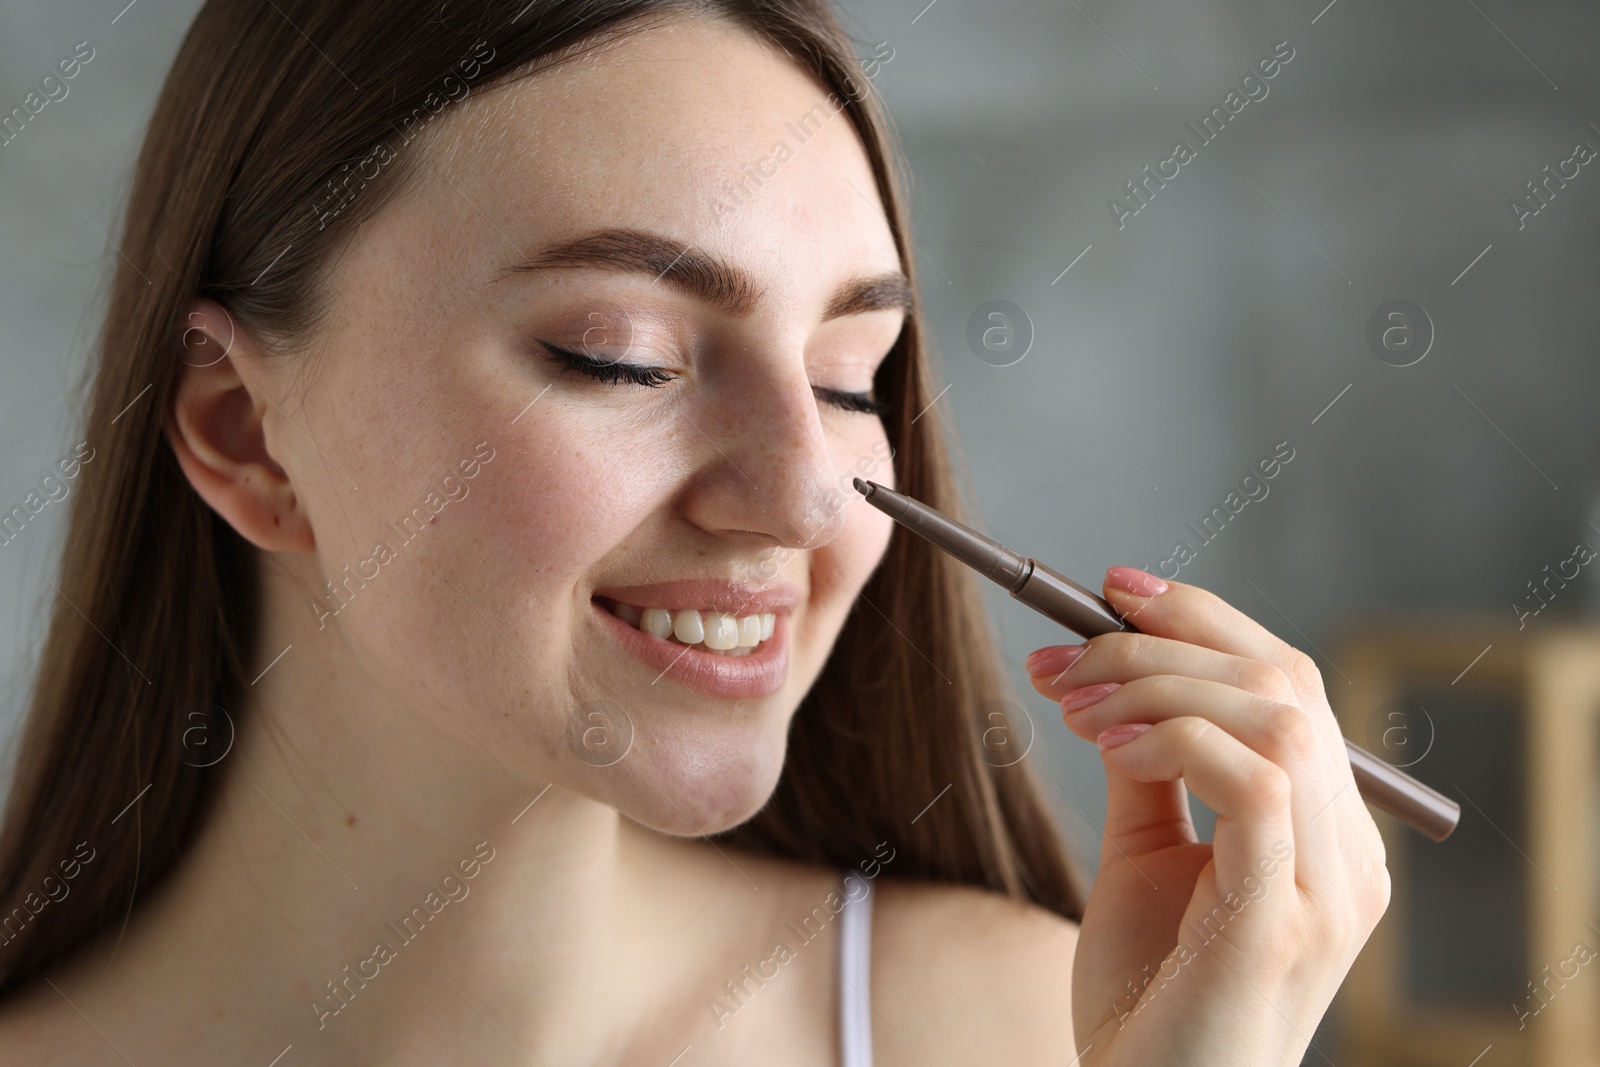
{"points": [[369, 882]]}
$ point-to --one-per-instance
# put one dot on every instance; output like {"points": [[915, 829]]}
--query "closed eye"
{"points": [[862, 402], [612, 372]]}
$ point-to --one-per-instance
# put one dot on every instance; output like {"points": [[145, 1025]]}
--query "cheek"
{"points": [[841, 566], [870, 531], [865, 456], [492, 601], [475, 590], [572, 491], [845, 564]]}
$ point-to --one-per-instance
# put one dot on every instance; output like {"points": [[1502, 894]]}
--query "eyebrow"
{"points": [[686, 268]]}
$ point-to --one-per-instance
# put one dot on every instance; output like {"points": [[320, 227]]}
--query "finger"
{"points": [[1144, 817], [1250, 794], [1124, 656], [1188, 613], [1278, 731]]}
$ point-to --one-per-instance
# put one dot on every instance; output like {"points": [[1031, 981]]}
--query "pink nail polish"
{"points": [[1121, 735], [1135, 581], [1053, 659], [1079, 699]]}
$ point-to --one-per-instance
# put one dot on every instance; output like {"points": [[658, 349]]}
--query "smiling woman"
{"points": [[680, 463], [680, 681]]}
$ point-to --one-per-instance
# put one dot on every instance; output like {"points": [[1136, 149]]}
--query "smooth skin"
{"points": [[436, 711]]}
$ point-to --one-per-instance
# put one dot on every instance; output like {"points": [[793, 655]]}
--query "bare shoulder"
{"points": [[35, 1030], [979, 977]]}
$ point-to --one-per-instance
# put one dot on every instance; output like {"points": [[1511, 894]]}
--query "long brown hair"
{"points": [[236, 197]]}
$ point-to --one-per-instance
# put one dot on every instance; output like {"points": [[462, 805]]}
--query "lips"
{"points": [[728, 617]]}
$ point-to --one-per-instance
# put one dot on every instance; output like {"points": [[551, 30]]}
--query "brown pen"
{"points": [[1082, 611]]}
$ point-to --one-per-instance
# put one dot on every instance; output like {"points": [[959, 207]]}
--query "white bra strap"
{"points": [[855, 974]]}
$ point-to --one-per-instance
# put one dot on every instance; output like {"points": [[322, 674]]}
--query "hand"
{"points": [[1225, 952]]}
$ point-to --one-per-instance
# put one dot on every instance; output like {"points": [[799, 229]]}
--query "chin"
{"points": [[691, 787]]}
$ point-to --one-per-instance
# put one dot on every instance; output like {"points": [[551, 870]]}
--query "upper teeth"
{"points": [[716, 630]]}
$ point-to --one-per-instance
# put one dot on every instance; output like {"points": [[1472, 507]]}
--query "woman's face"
{"points": [[685, 209]]}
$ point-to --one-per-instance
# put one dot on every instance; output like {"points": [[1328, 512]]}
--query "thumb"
{"points": [[1144, 817]]}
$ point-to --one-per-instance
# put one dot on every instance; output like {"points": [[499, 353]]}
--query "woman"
{"points": [[463, 651]]}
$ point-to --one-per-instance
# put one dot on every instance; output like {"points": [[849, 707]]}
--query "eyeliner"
{"points": [[1084, 612]]}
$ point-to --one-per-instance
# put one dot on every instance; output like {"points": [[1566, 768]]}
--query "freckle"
{"points": [[218, 1013], [349, 820]]}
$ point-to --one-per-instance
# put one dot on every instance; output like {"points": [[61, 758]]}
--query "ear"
{"points": [[216, 429]]}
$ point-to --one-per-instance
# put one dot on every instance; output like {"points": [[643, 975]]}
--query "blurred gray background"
{"points": [[1229, 315], [1232, 310]]}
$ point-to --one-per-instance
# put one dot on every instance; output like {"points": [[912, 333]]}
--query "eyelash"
{"points": [[613, 373], [861, 402], [610, 372]]}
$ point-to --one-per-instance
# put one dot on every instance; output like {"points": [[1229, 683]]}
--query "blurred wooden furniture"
{"points": [[1478, 955]]}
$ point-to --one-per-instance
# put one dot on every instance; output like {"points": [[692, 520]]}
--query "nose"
{"points": [[768, 474]]}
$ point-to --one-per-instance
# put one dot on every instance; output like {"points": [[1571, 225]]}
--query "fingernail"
{"points": [[1053, 659], [1135, 581], [1121, 735], [1079, 699]]}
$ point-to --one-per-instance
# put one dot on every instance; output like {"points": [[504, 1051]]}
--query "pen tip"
{"points": [[864, 488]]}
